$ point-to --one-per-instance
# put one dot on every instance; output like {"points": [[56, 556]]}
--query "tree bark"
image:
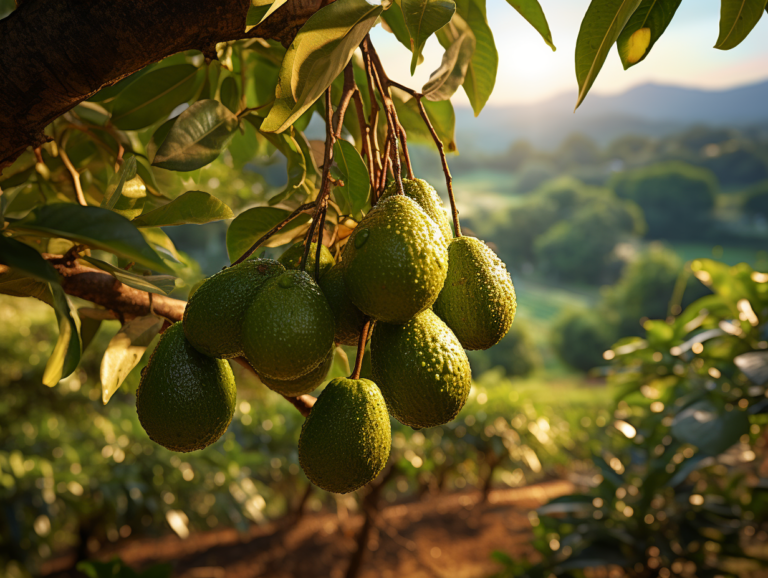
{"points": [[54, 55]]}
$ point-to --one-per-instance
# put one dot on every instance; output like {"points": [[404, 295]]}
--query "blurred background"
{"points": [[606, 219]]}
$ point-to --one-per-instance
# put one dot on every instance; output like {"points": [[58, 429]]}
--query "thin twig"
{"points": [[319, 243], [273, 231], [374, 120], [365, 131], [361, 350], [346, 95], [72, 170]]}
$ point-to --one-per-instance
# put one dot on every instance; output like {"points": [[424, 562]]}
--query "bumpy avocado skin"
{"points": [[428, 199], [214, 314], [421, 369], [349, 319], [345, 441], [185, 399], [396, 261], [288, 329], [304, 384], [478, 299], [291, 259]]}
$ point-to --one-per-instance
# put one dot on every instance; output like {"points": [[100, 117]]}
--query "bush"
{"points": [[677, 199], [757, 201], [516, 353], [580, 336]]}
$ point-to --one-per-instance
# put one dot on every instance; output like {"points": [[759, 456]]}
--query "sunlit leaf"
{"points": [[115, 187], [422, 19], [195, 207], [449, 76], [259, 11], [16, 283], [353, 195], [66, 353], [440, 113], [737, 19], [644, 28], [532, 12], [393, 18], [158, 284]]}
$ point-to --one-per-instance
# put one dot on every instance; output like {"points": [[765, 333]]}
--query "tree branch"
{"points": [[54, 55]]}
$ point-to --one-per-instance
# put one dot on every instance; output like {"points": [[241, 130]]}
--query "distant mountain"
{"points": [[648, 109]]}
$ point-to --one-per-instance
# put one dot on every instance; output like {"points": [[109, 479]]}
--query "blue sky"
{"points": [[530, 71]]}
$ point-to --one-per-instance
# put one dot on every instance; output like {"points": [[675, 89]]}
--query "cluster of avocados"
{"points": [[430, 296]]}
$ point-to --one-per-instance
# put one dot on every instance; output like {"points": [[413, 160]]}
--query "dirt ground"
{"points": [[441, 536]]}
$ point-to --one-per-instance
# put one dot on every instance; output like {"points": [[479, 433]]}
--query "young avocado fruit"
{"points": [[304, 384], [288, 328], [345, 441], [478, 299], [214, 315], [428, 199], [349, 319], [396, 261], [291, 259], [185, 399], [421, 369]]}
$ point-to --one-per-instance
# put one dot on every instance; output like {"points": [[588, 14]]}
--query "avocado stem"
{"points": [[361, 349]]}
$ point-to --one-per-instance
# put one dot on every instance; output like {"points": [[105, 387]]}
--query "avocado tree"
{"points": [[111, 110]]}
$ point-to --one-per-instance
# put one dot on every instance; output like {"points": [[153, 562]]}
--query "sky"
{"points": [[529, 71]]}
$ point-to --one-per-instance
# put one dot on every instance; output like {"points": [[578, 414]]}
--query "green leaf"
{"points": [[602, 24], [195, 207], [710, 429], [422, 19], [317, 56], [446, 80], [124, 352], [89, 327], [296, 161], [158, 138], [644, 28], [250, 225], [737, 19], [199, 135], [532, 12], [93, 226], [353, 196], [115, 187], [16, 254], [230, 94], [257, 12], [393, 18], [158, 284], [440, 113], [153, 96], [16, 283], [66, 352]]}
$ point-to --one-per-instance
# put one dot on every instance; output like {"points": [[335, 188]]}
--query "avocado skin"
{"points": [[288, 329], [396, 261], [407, 361], [214, 314], [291, 259], [345, 441], [185, 399], [428, 199], [349, 319], [478, 299], [304, 384]]}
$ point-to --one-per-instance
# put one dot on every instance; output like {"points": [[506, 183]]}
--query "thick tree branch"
{"points": [[53, 55]]}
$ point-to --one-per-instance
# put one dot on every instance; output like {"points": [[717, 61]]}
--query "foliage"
{"points": [[757, 200], [516, 353]]}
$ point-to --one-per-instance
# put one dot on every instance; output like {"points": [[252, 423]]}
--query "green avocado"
{"points": [[349, 319], [185, 399], [345, 441], [478, 299], [421, 369], [291, 259], [214, 315], [428, 199], [288, 329], [301, 385], [396, 261]]}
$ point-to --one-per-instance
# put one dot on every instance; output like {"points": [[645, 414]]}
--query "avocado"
{"points": [[428, 199], [301, 385], [214, 314], [349, 319], [478, 299], [345, 441], [291, 259], [396, 261], [421, 369], [185, 399], [288, 329]]}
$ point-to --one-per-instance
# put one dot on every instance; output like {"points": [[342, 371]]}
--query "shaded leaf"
{"points": [[532, 12], [422, 19], [754, 365], [644, 28], [199, 135], [230, 94], [124, 352], [158, 138], [89, 327], [16, 254], [317, 56], [446, 80], [158, 284], [153, 96], [703, 425], [258, 12], [66, 353], [353, 196], [14, 282], [116, 184], [440, 113], [393, 18], [602, 24], [93, 226], [196, 207], [296, 164], [248, 226], [737, 19]]}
